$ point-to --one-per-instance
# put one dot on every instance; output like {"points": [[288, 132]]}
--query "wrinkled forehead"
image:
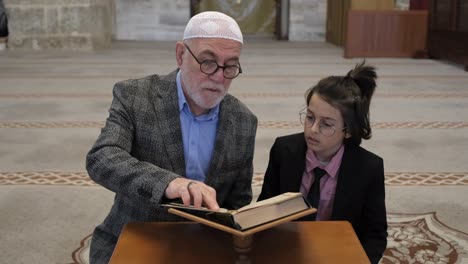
{"points": [[216, 46]]}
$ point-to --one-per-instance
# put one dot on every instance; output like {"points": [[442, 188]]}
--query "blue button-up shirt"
{"points": [[198, 135]]}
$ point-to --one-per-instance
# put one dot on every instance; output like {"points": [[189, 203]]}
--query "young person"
{"points": [[326, 164]]}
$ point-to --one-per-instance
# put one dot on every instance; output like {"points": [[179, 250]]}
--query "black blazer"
{"points": [[360, 190]]}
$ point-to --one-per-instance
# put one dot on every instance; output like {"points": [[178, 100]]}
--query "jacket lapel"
{"points": [[166, 106], [224, 136], [296, 155], [346, 182]]}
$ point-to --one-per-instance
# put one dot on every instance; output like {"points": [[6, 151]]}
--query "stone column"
{"points": [[307, 20], [59, 24]]}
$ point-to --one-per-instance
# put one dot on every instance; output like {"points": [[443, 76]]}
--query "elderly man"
{"points": [[177, 136]]}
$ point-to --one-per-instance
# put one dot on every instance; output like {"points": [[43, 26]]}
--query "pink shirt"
{"points": [[327, 182]]}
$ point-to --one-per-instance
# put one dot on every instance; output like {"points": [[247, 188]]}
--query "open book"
{"points": [[253, 217]]}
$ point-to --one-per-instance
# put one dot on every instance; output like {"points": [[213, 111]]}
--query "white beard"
{"points": [[204, 102]]}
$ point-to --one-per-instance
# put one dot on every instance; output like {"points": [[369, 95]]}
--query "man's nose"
{"points": [[218, 76]]}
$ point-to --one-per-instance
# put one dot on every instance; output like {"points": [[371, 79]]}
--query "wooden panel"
{"points": [[448, 30], [462, 23], [337, 16], [419, 5], [443, 15], [392, 33], [449, 45], [336, 22], [372, 4]]}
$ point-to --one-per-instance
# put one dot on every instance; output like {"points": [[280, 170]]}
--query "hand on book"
{"points": [[192, 192]]}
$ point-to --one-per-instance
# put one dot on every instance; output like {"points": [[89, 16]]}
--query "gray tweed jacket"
{"points": [[140, 150]]}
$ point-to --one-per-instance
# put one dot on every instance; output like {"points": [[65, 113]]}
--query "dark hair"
{"points": [[351, 95]]}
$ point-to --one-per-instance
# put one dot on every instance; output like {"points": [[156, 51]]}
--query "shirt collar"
{"points": [[180, 93], [183, 105], [331, 168]]}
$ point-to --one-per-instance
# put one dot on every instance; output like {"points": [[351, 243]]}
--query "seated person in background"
{"points": [[176, 136], [3, 26], [326, 164]]}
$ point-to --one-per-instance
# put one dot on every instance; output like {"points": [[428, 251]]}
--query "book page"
{"points": [[270, 201], [273, 200]]}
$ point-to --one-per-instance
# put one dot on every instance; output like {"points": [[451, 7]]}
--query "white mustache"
{"points": [[218, 87]]}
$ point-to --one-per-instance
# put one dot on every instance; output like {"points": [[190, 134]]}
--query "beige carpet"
{"points": [[418, 238], [53, 104]]}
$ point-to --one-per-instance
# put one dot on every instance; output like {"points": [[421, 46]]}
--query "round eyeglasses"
{"points": [[324, 128], [210, 67]]}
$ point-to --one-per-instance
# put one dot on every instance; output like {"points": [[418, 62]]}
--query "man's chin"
{"points": [[211, 103]]}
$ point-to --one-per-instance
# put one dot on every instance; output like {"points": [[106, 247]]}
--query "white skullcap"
{"points": [[212, 24]]}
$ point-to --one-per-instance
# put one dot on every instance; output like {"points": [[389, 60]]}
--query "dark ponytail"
{"points": [[351, 94], [364, 76]]}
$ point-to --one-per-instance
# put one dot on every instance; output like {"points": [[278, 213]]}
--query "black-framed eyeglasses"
{"points": [[325, 129], [210, 67]]}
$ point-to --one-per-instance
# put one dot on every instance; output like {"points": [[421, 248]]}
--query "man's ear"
{"points": [[180, 50]]}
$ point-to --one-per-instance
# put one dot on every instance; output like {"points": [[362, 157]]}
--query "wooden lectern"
{"points": [[293, 242]]}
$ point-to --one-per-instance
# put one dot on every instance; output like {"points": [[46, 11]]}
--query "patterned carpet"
{"points": [[53, 104], [422, 238], [413, 238], [82, 178]]}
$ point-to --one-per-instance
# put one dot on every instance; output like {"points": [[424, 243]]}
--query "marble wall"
{"points": [[151, 19], [92, 24], [59, 24], [307, 20], [166, 19]]}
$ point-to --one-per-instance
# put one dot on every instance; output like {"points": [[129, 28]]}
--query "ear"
{"points": [[347, 135], [180, 50]]}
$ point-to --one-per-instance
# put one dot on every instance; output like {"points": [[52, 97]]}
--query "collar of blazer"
{"points": [[167, 110], [347, 178], [167, 122], [296, 154]]}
